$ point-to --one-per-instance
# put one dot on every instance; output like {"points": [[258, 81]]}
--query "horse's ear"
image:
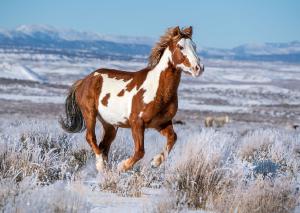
{"points": [[188, 31], [176, 31]]}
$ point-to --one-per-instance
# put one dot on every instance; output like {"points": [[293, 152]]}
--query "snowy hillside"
{"points": [[16, 71], [49, 40], [67, 42], [70, 35]]}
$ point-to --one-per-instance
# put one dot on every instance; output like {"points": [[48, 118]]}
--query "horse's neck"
{"points": [[168, 85], [163, 63]]}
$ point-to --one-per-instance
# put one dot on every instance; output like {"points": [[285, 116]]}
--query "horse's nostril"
{"points": [[197, 67]]}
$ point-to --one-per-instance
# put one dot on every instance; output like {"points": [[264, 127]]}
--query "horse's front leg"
{"points": [[137, 129], [167, 131]]}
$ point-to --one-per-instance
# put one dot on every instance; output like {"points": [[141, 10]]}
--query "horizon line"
{"points": [[151, 39]]}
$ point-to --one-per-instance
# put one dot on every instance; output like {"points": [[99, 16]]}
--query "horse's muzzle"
{"points": [[198, 70]]}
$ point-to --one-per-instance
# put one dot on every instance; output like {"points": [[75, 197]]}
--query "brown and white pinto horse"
{"points": [[137, 100]]}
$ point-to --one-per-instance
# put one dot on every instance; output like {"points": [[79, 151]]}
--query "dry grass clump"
{"points": [[165, 205], [27, 196], [256, 144], [124, 184], [31, 162], [78, 158], [258, 174], [199, 175], [261, 195], [271, 145], [195, 182], [49, 158], [10, 190], [18, 162]]}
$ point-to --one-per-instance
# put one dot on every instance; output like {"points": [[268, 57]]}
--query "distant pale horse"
{"points": [[137, 100], [216, 121]]}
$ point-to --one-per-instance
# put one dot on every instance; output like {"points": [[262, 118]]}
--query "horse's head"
{"points": [[183, 52]]}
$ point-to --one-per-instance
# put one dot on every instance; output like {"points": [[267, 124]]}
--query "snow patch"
{"points": [[17, 71]]}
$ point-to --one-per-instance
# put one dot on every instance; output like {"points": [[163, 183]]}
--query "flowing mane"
{"points": [[158, 50]]}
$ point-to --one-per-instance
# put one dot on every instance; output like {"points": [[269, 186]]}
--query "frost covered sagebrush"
{"points": [[127, 185], [260, 195], [28, 196], [202, 172], [31, 161], [255, 172], [207, 169], [36, 153]]}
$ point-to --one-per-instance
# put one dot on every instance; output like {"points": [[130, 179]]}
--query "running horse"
{"points": [[138, 100]]}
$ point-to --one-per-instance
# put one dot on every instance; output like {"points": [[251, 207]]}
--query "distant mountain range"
{"points": [[49, 40], [285, 52]]}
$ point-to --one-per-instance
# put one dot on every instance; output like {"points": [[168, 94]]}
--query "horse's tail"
{"points": [[74, 121]]}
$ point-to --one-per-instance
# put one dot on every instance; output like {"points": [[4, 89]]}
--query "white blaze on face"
{"points": [[189, 51]]}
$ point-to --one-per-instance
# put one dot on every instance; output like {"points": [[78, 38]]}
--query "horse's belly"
{"points": [[117, 110]]}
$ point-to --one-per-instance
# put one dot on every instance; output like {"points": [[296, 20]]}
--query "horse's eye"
{"points": [[180, 47]]}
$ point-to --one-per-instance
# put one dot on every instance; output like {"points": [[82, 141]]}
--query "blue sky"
{"points": [[217, 23]]}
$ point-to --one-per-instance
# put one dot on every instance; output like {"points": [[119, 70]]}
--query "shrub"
{"points": [[124, 184]]}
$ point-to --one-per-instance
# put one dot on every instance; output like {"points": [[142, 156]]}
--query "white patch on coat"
{"points": [[152, 81], [96, 73], [118, 108], [141, 114]]}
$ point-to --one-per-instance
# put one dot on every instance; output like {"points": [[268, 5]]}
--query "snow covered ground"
{"points": [[256, 91], [262, 100], [238, 167]]}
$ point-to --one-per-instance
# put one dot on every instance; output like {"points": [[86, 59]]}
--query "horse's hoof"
{"points": [[157, 160], [122, 166], [100, 163]]}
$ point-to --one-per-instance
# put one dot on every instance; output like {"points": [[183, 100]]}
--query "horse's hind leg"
{"points": [[109, 134], [167, 131], [90, 122]]}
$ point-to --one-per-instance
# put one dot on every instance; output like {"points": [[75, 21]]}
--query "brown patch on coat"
{"points": [[137, 80], [104, 100], [137, 103], [88, 91], [116, 74], [121, 93]]}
